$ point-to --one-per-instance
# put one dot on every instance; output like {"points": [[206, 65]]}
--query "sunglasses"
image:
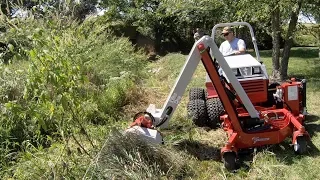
{"points": [[225, 34]]}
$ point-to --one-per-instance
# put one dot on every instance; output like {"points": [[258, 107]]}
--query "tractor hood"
{"points": [[243, 60]]}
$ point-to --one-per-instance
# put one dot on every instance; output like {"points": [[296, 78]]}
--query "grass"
{"points": [[59, 103], [202, 147], [127, 156]]}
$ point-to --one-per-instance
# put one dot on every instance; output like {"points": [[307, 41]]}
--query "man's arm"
{"points": [[241, 47], [220, 48]]}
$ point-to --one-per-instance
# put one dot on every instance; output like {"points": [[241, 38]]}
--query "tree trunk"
{"points": [[319, 39], [159, 31], [289, 39], [275, 24]]}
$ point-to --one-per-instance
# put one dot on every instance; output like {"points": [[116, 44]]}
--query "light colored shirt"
{"points": [[227, 48]]}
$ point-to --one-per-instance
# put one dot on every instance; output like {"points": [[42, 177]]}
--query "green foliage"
{"points": [[16, 39], [56, 112], [77, 75], [307, 35], [311, 9], [169, 23], [12, 79]]}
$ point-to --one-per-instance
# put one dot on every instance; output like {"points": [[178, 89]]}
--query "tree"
{"points": [[276, 33], [76, 9], [267, 18], [274, 13], [166, 21], [311, 8], [289, 38]]}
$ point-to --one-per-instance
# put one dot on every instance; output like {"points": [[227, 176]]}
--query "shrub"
{"points": [[77, 74]]}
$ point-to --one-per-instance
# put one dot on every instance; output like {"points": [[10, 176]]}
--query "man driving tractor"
{"points": [[241, 101], [231, 45]]}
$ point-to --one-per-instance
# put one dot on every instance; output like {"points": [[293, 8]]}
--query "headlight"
{"points": [[236, 72], [246, 71], [256, 70]]}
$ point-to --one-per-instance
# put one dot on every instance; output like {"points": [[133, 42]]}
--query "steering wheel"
{"points": [[231, 54]]}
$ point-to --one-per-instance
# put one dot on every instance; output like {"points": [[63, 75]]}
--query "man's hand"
{"points": [[240, 52]]}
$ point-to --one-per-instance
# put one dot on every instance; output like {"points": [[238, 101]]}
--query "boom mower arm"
{"points": [[162, 116], [275, 124]]}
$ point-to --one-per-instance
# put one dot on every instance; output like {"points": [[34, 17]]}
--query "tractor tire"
{"points": [[197, 93], [197, 112], [300, 146], [229, 160], [214, 110]]}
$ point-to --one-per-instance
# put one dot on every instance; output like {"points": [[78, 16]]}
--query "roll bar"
{"points": [[254, 41]]}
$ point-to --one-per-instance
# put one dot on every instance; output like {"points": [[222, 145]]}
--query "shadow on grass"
{"points": [[199, 150], [312, 124], [284, 151], [304, 52]]}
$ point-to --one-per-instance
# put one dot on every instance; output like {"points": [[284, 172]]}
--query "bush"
{"points": [[16, 38], [77, 74]]}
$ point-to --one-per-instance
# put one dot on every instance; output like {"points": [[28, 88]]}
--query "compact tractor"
{"points": [[253, 77], [238, 96]]}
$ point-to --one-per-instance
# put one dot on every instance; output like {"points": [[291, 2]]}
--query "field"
{"points": [[64, 98], [70, 84], [200, 148]]}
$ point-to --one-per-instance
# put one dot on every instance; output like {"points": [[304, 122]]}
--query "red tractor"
{"points": [[252, 112], [205, 107]]}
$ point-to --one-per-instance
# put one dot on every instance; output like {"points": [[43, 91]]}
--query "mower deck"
{"points": [[278, 124]]}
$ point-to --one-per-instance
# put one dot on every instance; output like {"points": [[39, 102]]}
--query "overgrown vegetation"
{"points": [[129, 157], [68, 86], [71, 77]]}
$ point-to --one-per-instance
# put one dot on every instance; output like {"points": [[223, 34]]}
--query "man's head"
{"points": [[228, 33]]}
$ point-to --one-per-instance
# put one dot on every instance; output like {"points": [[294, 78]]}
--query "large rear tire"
{"points": [[214, 110], [197, 93], [197, 112]]}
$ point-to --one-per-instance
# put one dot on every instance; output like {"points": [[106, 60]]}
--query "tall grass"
{"points": [[126, 156], [73, 81]]}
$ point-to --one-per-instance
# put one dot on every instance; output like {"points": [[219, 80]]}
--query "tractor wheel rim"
{"points": [[295, 146]]}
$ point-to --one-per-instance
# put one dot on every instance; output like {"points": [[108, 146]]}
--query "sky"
{"points": [[304, 19]]}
